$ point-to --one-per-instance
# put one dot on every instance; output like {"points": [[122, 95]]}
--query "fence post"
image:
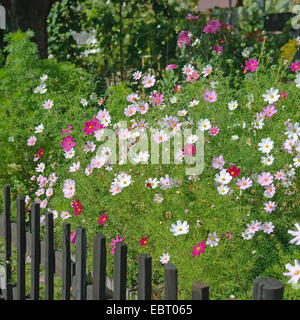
{"points": [[144, 277], [267, 289], [66, 262], [49, 257], [21, 248], [80, 267], [200, 291], [99, 267], [170, 282], [120, 270], [35, 250], [7, 239]]}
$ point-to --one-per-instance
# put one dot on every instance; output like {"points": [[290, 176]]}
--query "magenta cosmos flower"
{"points": [[210, 96], [183, 39], [102, 219], [198, 249], [157, 99], [218, 49], [68, 143], [295, 66], [251, 65], [214, 131], [91, 126], [189, 150], [113, 243]]}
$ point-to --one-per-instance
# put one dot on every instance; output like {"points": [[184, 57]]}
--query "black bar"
{"points": [[200, 291], [49, 258], [21, 247], [35, 251], [99, 267], [267, 289], [170, 282], [144, 277], [66, 262], [120, 270], [80, 267], [7, 240]]}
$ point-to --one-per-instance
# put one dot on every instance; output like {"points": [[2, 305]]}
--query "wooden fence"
{"points": [[74, 274]]}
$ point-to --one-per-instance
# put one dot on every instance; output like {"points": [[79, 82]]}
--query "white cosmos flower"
{"points": [[40, 167], [223, 177], [271, 95], [39, 128], [267, 160], [293, 131], [192, 138], [179, 228], [258, 124], [223, 190], [207, 70], [164, 258], [293, 272], [235, 137], [266, 145], [296, 234], [204, 124], [232, 105], [69, 154], [297, 160], [75, 167], [152, 183], [212, 240]]}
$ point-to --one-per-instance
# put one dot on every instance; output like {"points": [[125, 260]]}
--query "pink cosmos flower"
{"points": [[189, 150], [183, 39], [269, 191], [31, 141], [113, 243], [178, 87], [170, 66], [210, 96], [69, 188], [265, 179], [251, 65], [269, 110], [244, 183], [214, 131], [279, 175], [69, 130], [270, 206], [295, 66], [157, 99], [130, 110], [192, 77], [143, 107], [198, 249], [254, 226], [191, 17], [102, 219], [212, 27], [68, 143], [218, 162]]}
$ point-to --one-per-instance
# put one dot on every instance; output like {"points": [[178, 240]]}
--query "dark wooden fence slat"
{"points": [[49, 258], [267, 289], [120, 270], [66, 262], [80, 266], [144, 277], [170, 282], [99, 267], [7, 241], [200, 291], [35, 251], [21, 248]]}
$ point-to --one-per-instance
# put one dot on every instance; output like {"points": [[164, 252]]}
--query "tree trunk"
{"points": [[30, 14]]}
